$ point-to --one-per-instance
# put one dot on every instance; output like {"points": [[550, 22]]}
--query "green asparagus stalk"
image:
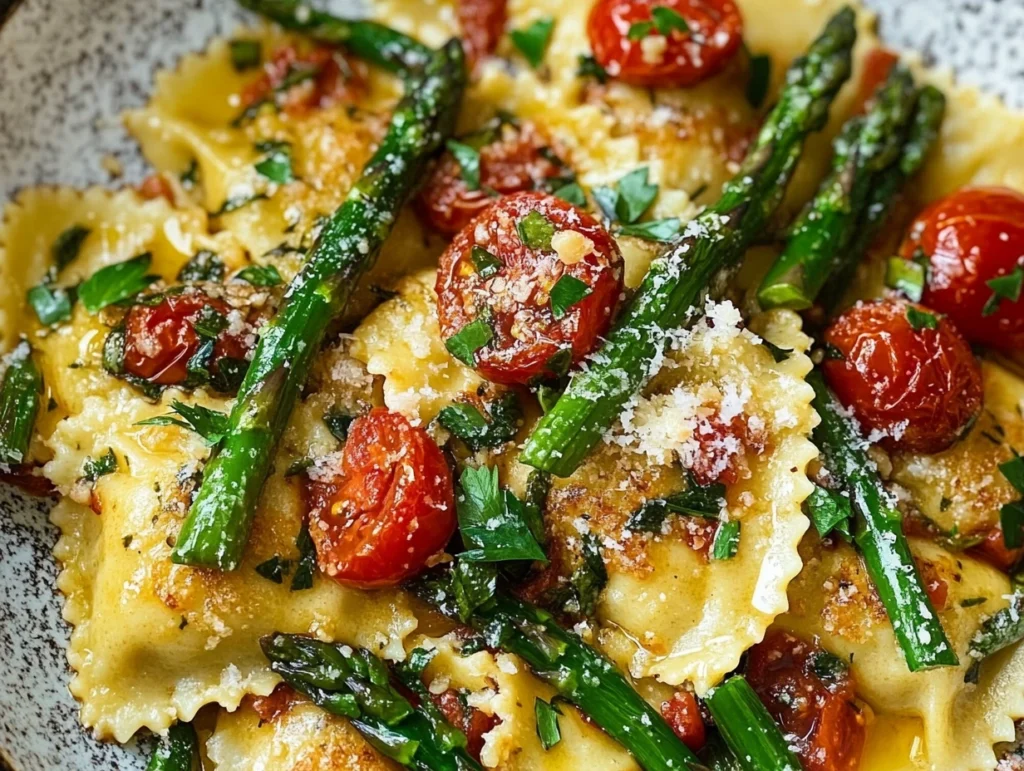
{"points": [[748, 729], [1000, 630], [578, 672], [878, 533], [217, 527], [180, 752], [865, 146], [19, 405], [377, 44], [355, 684], [929, 110], [669, 295]]}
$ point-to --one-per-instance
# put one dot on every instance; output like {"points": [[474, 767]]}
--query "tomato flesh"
{"points": [[969, 238], [680, 58], [333, 79], [916, 388], [993, 550], [160, 339], [683, 716], [515, 300], [388, 509], [469, 720], [519, 159], [482, 23], [877, 66], [811, 696]]}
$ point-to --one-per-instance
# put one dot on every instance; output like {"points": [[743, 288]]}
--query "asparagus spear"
{"points": [[669, 294], [878, 533], [924, 130], [179, 753], [217, 526], [748, 729], [19, 404], [355, 684], [1000, 630], [380, 45], [578, 672], [865, 146]]}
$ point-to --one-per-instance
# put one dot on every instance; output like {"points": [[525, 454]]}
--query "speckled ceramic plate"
{"points": [[67, 70]]}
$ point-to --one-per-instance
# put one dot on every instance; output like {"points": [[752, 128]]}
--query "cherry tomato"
{"points": [[319, 77], [390, 508], [918, 388], [631, 47], [21, 476], [877, 66], [489, 275], [519, 158], [277, 703], [721, 449], [683, 716], [469, 720], [160, 339], [156, 186], [811, 695], [969, 238], [482, 23], [993, 551]]}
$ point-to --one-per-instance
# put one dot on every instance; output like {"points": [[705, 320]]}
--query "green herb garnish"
{"points": [[67, 245], [464, 344], [566, 292], [245, 54], [920, 319], [655, 230], [117, 282], [727, 540], [485, 263], [209, 424], [276, 164], [536, 230], [533, 41], [1003, 288], [468, 159], [259, 275], [546, 717]]}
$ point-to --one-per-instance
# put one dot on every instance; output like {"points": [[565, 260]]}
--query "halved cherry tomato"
{"points": [[877, 66], [489, 275], [160, 339], [389, 509], [722, 446], [519, 158], [482, 23], [918, 388], [993, 551], [299, 81], [811, 695], [969, 238], [647, 57], [683, 716], [471, 721]]}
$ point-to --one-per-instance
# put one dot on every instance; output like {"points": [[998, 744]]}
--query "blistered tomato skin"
{"points": [[970, 238], [680, 58], [377, 520], [914, 390], [515, 300], [683, 716], [482, 23], [811, 696], [160, 339], [517, 160]]}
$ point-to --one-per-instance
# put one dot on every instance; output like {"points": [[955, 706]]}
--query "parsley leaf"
{"points": [[695, 501], [666, 20], [655, 230], [906, 276], [536, 230], [546, 718], [305, 566], [1011, 519], [829, 510], [468, 159], [920, 319], [635, 195], [727, 540], [572, 193], [209, 424], [338, 424], [607, 201], [1013, 470], [98, 467], [779, 354], [587, 67], [473, 584], [51, 304], [638, 30], [493, 521], [485, 263], [566, 292], [116, 282], [210, 322], [274, 569], [245, 54], [236, 202], [533, 41], [67, 245], [276, 164], [758, 79], [828, 667], [259, 275], [1005, 287], [467, 423], [203, 266], [464, 344]]}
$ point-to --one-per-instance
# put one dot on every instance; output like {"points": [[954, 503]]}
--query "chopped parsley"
{"points": [[907, 276], [209, 424], [572, 193], [532, 42], [970, 602], [493, 521], [920, 319], [274, 569], [468, 159], [190, 176], [468, 424], [259, 275], [666, 20], [779, 354], [98, 467], [696, 501], [587, 67], [758, 79], [607, 198], [202, 266], [210, 322], [305, 566], [546, 718], [51, 304], [276, 164], [473, 584], [829, 510], [67, 245], [245, 54], [727, 540], [338, 424], [464, 344], [655, 230], [590, 576], [566, 292], [485, 263], [638, 30], [236, 202], [635, 195], [117, 282], [828, 667], [1011, 519], [536, 230], [1005, 287]]}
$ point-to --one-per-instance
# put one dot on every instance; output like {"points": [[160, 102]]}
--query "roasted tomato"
{"points": [[280, 700], [299, 81], [722, 446], [877, 66], [469, 720], [388, 509], [518, 157], [969, 239], [482, 23], [664, 42], [914, 387], [160, 339], [683, 716], [993, 550], [537, 279], [810, 693]]}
